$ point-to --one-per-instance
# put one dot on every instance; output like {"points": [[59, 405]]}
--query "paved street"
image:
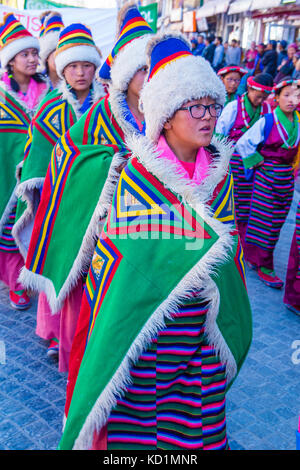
{"points": [[263, 404]]}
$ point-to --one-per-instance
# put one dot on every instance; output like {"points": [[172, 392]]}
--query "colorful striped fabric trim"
{"points": [[177, 396], [12, 117], [100, 125], [271, 201], [285, 83], [54, 118], [7, 242], [232, 68], [257, 86], [141, 200], [223, 202], [68, 153]]}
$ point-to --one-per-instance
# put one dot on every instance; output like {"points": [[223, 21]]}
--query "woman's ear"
{"points": [[168, 125]]}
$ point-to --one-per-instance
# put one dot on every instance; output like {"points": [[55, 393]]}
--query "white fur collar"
{"points": [[97, 93], [116, 100]]}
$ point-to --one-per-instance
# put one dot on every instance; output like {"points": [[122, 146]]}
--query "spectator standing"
{"points": [[250, 57], [270, 58], [219, 54], [287, 67], [282, 52], [258, 66], [296, 61], [209, 51], [201, 46], [233, 54], [194, 44]]}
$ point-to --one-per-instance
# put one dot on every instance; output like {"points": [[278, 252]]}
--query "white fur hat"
{"points": [[175, 77], [52, 24]]}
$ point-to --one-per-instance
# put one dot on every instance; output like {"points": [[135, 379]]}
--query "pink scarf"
{"points": [[195, 171], [34, 91]]}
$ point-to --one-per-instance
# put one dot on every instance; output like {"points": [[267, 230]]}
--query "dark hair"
{"points": [[219, 38], [38, 77], [264, 79]]}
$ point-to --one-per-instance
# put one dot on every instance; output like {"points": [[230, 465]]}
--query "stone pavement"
{"points": [[263, 404]]}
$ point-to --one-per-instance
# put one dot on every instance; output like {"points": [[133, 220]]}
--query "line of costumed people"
{"points": [[126, 224], [264, 126], [120, 210], [165, 322]]}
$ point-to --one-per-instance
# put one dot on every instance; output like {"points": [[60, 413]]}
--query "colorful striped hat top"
{"points": [[11, 29], [51, 22], [131, 25], [14, 38], [76, 43], [74, 34], [165, 52]]}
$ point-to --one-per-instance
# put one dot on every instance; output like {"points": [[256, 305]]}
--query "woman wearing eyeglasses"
{"points": [[231, 77], [170, 322]]}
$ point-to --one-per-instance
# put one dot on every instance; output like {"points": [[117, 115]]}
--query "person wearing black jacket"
{"points": [[209, 51], [270, 58]]}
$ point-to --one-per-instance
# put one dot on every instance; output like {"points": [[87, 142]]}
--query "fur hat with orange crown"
{"points": [[14, 38], [175, 77]]}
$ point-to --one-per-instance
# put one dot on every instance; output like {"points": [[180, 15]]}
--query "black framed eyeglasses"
{"points": [[198, 111]]}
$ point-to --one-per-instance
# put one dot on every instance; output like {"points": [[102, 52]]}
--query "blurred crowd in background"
{"points": [[278, 58]]}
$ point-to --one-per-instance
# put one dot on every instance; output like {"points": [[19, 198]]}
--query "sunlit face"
{"points": [[291, 52], [190, 132], [288, 99], [256, 97], [25, 62], [137, 81], [79, 75], [231, 82]]}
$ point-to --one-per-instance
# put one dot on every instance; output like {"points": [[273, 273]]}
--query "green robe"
{"points": [[163, 240], [15, 118], [55, 115]]}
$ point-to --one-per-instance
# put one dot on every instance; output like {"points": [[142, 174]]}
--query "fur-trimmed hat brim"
{"points": [[128, 61], [76, 53], [10, 50], [185, 79]]}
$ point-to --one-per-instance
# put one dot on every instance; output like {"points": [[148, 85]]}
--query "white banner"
{"points": [[101, 21]]}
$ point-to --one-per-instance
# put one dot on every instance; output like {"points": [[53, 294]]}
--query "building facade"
{"points": [[244, 20]]}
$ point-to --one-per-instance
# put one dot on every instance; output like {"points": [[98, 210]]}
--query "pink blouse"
{"points": [[34, 91], [195, 171]]}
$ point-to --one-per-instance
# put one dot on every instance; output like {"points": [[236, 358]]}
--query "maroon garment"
{"points": [[292, 283], [237, 129], [272, 149]]}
